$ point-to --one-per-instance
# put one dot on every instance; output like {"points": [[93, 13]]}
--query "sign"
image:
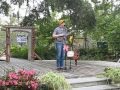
{"points": [[21, 38]]}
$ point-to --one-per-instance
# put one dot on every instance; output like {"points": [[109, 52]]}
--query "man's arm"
{"points": [[56, 36]]}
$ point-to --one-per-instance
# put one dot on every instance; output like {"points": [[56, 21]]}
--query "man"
{"points": [[60, 34]]}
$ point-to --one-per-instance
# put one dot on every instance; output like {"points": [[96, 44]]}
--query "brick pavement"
{"points": [[83, 69]]}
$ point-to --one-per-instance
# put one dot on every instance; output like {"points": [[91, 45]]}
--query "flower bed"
{"points": [[21, 80], [27, 80]]}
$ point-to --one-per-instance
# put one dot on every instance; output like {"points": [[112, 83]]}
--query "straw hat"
{"points": [[61, 22]]}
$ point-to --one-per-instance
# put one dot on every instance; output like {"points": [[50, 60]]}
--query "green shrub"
{"points": [[19, 52], [113, 74], [92, 54], [54, 81], [45, 52]]}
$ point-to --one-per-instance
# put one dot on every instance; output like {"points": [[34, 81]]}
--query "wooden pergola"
{"points": [[31, 40]]}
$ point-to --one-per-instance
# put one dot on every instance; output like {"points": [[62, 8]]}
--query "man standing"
{"points": [[60, 34]]}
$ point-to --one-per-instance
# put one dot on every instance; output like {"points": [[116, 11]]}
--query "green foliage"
{"points": [[2, 41], [80, 12], [45, 27], [102, 47], [19, 52], [4, 7], [54, 81], [114, 35], [28, 20], [45, 52], [93, 54], [44, 40], [113, 74], [103, 19], [107, 27]]}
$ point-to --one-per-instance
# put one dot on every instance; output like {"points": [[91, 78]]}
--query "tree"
{"points": [[107, 27], [80, 12], [103, 17], [44, 40], [4, 7]]}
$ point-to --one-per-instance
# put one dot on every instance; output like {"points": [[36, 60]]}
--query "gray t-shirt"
{"points": [[60, 30]]}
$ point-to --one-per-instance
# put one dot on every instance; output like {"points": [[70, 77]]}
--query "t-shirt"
{"points": [[60, 30]]}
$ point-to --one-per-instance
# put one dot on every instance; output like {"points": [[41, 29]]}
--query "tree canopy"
{"points": [[80, 12]]}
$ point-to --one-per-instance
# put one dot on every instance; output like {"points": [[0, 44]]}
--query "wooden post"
{"points": [[29, 46], [7, 44], [33, 44]]}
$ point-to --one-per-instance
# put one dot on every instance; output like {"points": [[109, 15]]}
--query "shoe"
{"points": [[58, 69], [62, 69]]}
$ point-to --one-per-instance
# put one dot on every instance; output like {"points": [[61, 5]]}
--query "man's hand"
{"points": [[60, 35]]}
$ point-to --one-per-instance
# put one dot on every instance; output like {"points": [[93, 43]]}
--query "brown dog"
{"points": [[76, 56]]}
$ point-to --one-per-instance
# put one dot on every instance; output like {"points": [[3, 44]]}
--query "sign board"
{"points": [[21, 38]]}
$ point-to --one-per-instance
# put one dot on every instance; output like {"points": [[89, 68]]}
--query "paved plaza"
{"points": [[83, 69]]}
